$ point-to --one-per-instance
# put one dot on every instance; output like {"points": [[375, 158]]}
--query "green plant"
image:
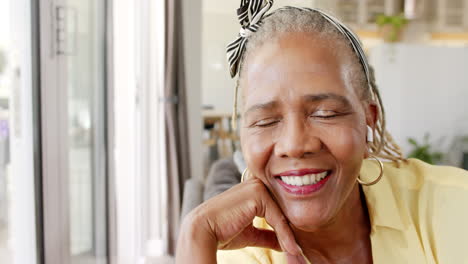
{"points": [[395, 24], [423, 151]]}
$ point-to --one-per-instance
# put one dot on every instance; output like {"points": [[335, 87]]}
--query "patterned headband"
{"points": [[250, 15]]}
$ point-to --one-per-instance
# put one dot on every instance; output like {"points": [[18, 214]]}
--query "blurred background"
{"points": [[113, 112]]}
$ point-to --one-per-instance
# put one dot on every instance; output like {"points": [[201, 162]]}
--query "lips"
{"points": [[300, 172], [303, 181]]}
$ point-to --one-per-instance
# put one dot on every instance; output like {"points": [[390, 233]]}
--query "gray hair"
{"points": [[284, 21]]}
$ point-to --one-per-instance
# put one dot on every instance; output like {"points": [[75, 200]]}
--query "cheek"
{"points": [[345, 143], [257, 149], [348, 148]]}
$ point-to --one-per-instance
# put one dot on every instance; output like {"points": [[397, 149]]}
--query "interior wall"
{"points": [[218, 87], [192, 19], [424, 89]]}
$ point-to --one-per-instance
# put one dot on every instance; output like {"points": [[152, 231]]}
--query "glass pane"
{"points": [[85, 50], [17, 198]]}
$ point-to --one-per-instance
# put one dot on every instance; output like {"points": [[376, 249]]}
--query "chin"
{"points": [[307, 218]]}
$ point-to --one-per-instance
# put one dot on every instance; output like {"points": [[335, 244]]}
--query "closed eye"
{"points": [[326, 114], [266, 122]]}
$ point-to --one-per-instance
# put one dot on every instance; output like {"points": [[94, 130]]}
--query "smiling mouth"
{"points": [[302, 184], [308, 179]]}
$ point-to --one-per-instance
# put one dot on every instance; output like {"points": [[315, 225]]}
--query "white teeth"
{"points": [[297, 181], [304, 180], [285, 179]]}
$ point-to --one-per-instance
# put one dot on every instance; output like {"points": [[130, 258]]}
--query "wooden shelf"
{"points": [[368, 34], [449, 36]]}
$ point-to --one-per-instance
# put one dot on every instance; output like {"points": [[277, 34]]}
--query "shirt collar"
{"points": [[384, 206]]}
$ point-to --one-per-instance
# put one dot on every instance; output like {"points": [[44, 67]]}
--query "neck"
{"points": [[346, 239]]}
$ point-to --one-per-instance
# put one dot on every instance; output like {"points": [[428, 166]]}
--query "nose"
{"points": [[297, 140]]}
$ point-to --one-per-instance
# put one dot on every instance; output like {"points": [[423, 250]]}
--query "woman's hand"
{"points": [[225, 222]]}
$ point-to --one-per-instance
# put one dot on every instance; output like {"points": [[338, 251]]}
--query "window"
{"points": [[17, 145], [139, 130]]}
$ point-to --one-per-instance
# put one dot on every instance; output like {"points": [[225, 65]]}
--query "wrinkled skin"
{"points": [[299, 111]]}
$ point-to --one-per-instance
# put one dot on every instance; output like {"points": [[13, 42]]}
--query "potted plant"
{"points": [[423, 151], [391, 27]]}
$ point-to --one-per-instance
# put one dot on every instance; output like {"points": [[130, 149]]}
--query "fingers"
{"points": [[233, 228], [275, 217], [264, 238], [290, 259], [278, 221]]}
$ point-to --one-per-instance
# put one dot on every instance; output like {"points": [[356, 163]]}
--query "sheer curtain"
{"points": [[151, 145], [178, 160]]}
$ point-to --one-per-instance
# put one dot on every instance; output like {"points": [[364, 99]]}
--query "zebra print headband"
{"points": [[250, 15]]}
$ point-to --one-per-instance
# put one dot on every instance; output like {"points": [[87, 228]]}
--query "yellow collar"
{"points": [[382, 200]]}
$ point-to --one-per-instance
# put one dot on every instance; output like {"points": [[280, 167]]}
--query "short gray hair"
{"points": [[296, 20]]}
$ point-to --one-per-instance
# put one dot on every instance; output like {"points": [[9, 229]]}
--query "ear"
{"points": [[372, 112]]}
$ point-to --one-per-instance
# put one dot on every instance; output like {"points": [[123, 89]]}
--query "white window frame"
{"points": [[54, 146]]}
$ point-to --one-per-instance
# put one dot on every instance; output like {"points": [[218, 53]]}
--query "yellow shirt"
{"points": [[418, 214]]}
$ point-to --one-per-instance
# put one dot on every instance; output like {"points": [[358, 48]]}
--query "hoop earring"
{"points": [[378, 178], [243, 177]]}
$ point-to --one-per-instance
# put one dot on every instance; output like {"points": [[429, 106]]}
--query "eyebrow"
{"points": [[327, 96], [262, 106], [310, 98]]}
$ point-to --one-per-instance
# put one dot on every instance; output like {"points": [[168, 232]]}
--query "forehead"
{"points": [[293, 65]]}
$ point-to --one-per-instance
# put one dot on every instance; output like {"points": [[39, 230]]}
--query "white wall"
{"points": [[218, 87], [424, 89], [192, 39]]}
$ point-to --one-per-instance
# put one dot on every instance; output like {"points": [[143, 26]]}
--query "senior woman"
{"points": [[313, 134]]}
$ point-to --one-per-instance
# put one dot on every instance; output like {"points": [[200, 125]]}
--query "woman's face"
{"points": [[304, 127]]}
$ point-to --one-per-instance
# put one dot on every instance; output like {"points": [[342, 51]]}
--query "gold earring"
{"points": [[378, 178], [246, 171]]}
